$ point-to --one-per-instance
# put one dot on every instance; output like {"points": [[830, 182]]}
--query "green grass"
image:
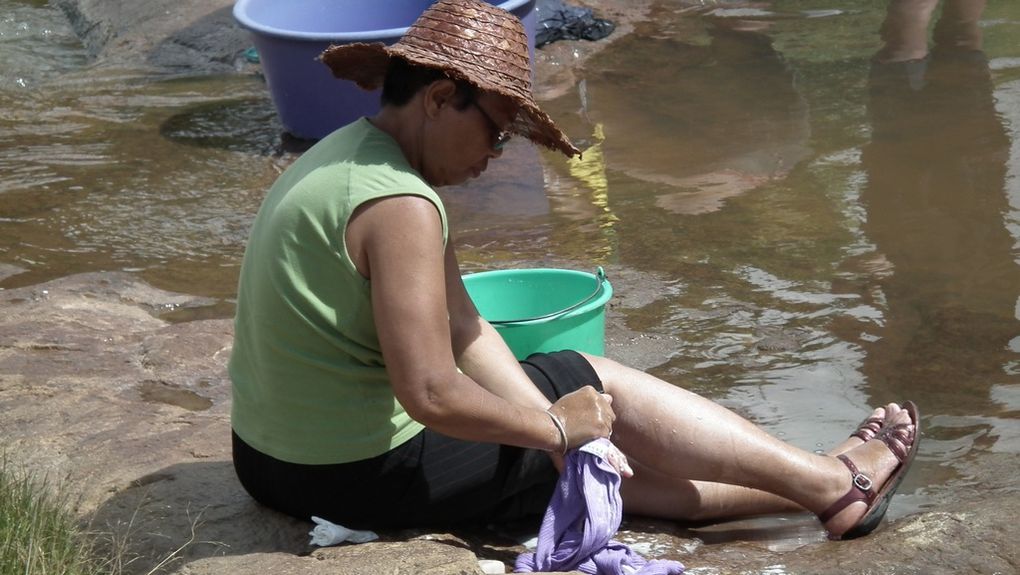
{"points": [[38, 533]]}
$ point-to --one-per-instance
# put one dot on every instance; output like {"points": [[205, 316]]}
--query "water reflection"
{"points": [[936, 167], [705, 119]]}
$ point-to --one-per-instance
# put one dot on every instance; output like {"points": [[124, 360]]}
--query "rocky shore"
{"points": [[130, 412]]}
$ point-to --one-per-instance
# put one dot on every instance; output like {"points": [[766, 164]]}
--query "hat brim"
{"points": [[366, 65]]}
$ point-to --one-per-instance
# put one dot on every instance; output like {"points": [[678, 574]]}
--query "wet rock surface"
{"points": [[188, 36], [130, 412]]}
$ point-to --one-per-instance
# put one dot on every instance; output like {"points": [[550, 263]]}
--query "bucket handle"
{"points": [[600, 279]]}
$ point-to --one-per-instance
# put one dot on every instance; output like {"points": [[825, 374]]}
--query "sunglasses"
{"points": [[499, 137]]}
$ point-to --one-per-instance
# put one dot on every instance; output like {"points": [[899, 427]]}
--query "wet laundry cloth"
{"points": [[327, 533], [582, 517]]}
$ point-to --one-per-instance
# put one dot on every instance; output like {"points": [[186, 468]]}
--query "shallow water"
{"points": [[826, 216], [114, 169]]}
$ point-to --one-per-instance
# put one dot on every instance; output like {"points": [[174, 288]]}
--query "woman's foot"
{"points": [[868, 474]]}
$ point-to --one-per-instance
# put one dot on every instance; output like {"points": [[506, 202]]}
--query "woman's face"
{"points": [[461, 142]]}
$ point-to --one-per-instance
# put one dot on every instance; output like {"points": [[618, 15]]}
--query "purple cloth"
{"points": [[583, 515]]}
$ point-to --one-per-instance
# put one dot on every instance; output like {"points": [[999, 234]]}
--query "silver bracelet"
{"points": [[560, 428]]}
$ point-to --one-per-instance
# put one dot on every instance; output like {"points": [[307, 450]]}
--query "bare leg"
{"points": [[683, 436], [654, 494], [905, 30], [651, 493], [959, 26]]}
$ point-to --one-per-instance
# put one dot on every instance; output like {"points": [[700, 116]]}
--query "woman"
{"points": [[368, 390]]}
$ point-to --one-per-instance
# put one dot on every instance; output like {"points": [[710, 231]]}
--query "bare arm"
{"points": [[397, 243], [480, 351]]}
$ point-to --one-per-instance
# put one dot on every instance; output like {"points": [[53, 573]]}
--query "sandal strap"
{"points": [[861, 489], [868, 429], [898, 439]]}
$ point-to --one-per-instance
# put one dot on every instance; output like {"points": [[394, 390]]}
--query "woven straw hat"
{"points": [[469, 40]]}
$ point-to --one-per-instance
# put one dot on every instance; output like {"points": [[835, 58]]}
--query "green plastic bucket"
{"points": [[544, 310]]}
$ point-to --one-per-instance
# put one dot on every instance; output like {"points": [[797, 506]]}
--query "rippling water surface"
{"points": [[114, 169], [818, 203]]}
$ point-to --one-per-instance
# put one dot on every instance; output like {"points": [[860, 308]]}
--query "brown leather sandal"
{"points": [[869, 428], [903, 445]]}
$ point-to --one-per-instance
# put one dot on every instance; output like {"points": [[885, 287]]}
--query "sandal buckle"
{"points": [[863, 482]]}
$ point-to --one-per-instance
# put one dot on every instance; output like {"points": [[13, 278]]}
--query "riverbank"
{"points": [[98, 389]]}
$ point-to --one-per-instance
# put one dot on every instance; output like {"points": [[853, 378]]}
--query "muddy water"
{"points": [[821, 205]]}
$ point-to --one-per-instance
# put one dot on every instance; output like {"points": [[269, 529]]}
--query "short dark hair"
{"points": [[403, 80]]}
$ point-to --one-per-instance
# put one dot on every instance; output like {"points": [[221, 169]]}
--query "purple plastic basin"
{"points": [[290, 35]]}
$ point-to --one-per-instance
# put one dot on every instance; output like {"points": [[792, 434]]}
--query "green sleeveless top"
{"points": [[309, 383]]}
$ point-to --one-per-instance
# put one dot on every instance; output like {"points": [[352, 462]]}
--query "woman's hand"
{"points": [[613, 456], [618, 460], [585, 414]]}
